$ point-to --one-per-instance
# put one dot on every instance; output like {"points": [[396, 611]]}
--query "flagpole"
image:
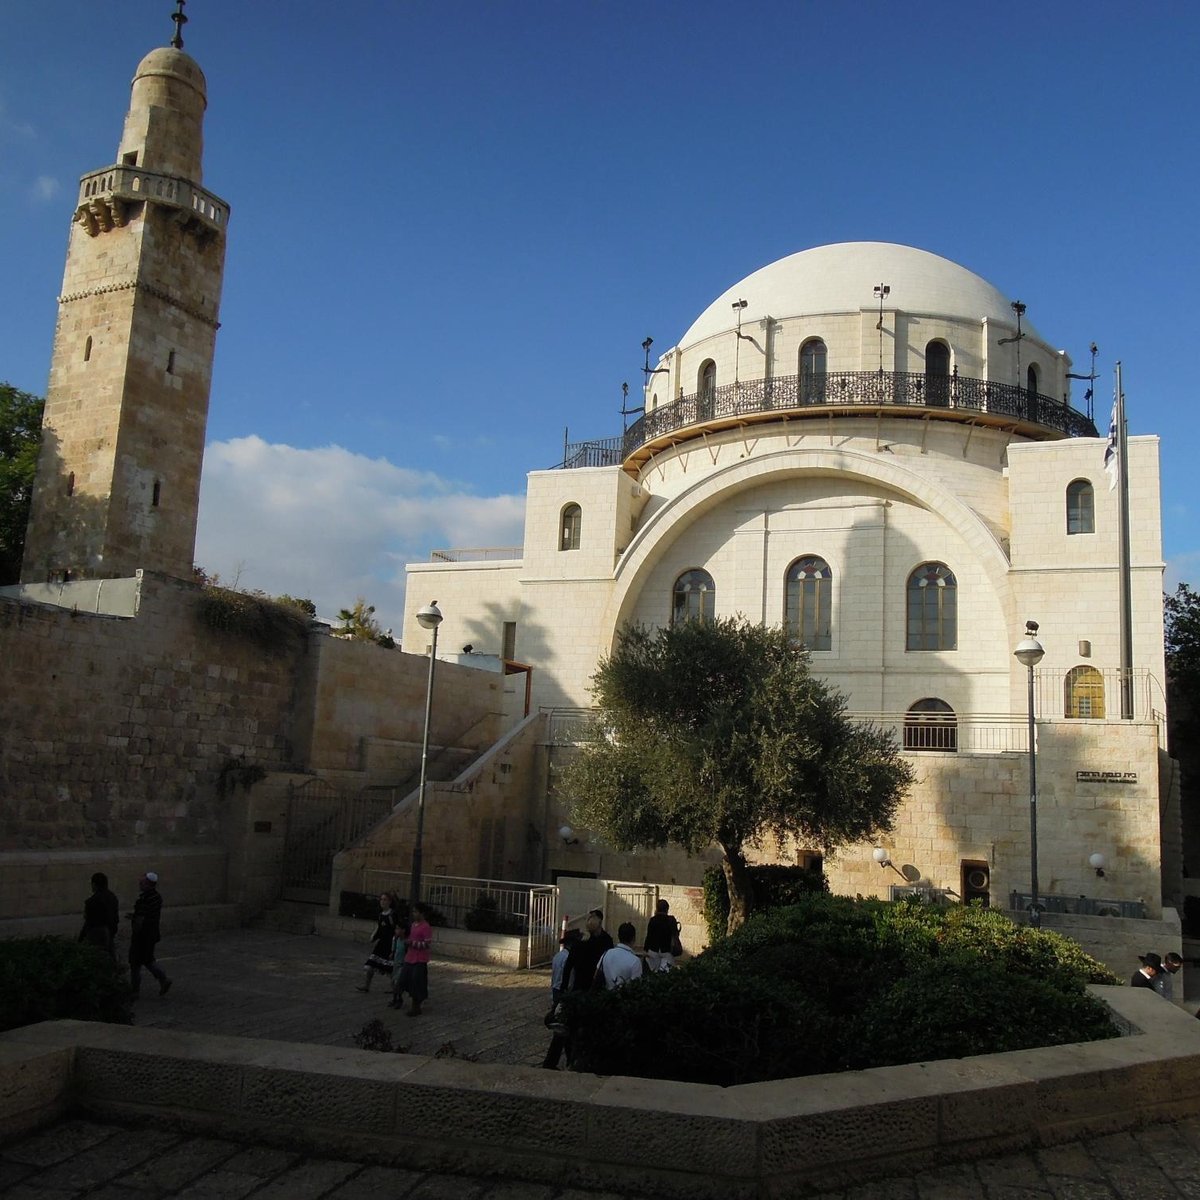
{"points": [[1123, 553]]}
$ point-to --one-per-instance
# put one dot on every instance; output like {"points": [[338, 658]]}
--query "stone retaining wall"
{"points": [[669, 1139]]}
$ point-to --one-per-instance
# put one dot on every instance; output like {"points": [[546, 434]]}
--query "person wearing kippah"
{"points": [[147, 910]]}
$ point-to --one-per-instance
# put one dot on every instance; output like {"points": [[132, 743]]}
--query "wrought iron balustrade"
{"points": [[836, 389]]}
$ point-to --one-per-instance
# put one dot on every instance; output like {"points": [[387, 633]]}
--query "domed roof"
{"points": [[842, 278], [166, 60]]}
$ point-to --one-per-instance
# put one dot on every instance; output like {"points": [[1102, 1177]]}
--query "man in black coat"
{"points": [[144, 937], [101, 916]]}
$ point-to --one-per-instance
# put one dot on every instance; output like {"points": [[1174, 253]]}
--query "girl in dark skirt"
{"points": [[379, 961], [412, 975]]}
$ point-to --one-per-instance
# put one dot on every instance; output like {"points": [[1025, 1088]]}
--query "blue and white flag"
{"points": [[1112, 456]]}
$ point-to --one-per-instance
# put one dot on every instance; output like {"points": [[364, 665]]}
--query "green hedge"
{"points": [[831, 984], [52, 978], [774, 886]]}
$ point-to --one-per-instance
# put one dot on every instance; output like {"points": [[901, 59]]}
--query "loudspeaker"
{"points": [[976, 882]]}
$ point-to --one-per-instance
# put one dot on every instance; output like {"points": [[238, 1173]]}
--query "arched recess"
{"points": [[930, 724], [1083, 694], [937, 374], [1081, 507], [671, 521], [706, 380], [813, 359], [570, 527]]}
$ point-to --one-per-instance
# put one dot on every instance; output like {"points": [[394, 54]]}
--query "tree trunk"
{"points": [[739, 886]]}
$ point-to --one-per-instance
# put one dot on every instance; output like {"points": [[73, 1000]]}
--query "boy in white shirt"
{"points": [[621, 963]]}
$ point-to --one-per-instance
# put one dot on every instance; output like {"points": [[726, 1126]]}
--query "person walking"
{"points": [[379, 961], [662, 935], [144, 935], [413, 976], [559, 986], [621, 964], [101, 917], [579, 971], [1164, 981], [1146, 975]]}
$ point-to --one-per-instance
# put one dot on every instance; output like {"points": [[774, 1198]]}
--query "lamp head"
{"points": [[1096, 862], [1029, 651], [881, 856], [740, 303], [647, 343], [429, 617]]}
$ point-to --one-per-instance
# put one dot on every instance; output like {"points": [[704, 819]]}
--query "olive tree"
{"points": [[717, 733]]}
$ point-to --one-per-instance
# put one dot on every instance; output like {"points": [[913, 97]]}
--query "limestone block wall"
{"points": [[122, 731], [487, 823]]}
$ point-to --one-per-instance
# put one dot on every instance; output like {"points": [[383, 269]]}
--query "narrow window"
{"points": [[71, 484], [171, 362], [1031, 380], [706, 382], [812, 371], [509, 641], [1081, 507], [930, 724], [572, 522], [87, 349], [130, 159], [1084, 694], [156, 493], [694, 597], [808, 603], [937, 374], [932, 608]]}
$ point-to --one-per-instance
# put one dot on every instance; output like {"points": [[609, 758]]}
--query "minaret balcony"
{"points": [[106, 198]]}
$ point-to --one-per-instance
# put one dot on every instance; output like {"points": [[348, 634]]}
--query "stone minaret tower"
{"points": [[118, 480]]}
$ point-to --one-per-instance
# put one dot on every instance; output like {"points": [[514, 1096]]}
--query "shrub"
{"points": [[830, 984], [54, 978], [773, 885], [271, 624], [485, 917]]}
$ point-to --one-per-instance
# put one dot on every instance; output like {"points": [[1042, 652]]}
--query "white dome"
{"points": [[842, 278]]}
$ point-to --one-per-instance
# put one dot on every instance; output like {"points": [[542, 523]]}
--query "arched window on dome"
{"points": [[571, 525], [1081, 507], [1084, 694], [706, 380], [808, 600], [812, 371], [930, 724], [694, 597], [932, 608], [1032, 379], [937, 374]]}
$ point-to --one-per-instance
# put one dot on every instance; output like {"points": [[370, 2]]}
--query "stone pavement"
{"points": [[298, 988], [255, 983]]}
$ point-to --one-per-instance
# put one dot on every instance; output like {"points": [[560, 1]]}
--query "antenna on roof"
{"points": [[180, 21], [1019, 309]]}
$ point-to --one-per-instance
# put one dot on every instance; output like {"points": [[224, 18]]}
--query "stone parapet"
{"points": [[786, 1137]]}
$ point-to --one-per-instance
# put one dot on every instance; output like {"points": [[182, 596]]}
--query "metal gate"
{"points": [[543, 924], [632, 902], [321, 822]]}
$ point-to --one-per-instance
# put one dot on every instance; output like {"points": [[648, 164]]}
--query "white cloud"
{"points": [[333, 525], [44, 188]]}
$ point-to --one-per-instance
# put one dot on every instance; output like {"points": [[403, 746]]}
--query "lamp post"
{"points": [[429, 617], [1029, 653]]}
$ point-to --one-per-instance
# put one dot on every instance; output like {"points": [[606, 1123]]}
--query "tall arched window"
{"points": [[87, 349], [807, 615], [932, 604], [930, 724], [572, 526], [1032, 380], [1084, 693], [706, 381], [812, 371], [694, 597], [937, 374], [1081, 507]]}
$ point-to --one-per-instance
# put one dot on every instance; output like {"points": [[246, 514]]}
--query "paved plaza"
{"points": [[254, 983]]}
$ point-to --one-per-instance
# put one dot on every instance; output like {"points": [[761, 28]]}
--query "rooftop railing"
{"points": [[790, 394], [123, 183]]}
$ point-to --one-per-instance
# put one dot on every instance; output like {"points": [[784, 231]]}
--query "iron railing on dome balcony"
{"points": [[835, 389]]}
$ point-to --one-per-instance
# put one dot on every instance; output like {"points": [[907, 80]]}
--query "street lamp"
{"points": [[1029, 653], [429, 617]]}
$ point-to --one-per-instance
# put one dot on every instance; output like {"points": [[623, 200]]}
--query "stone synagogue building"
{"points": [[864, 442]]}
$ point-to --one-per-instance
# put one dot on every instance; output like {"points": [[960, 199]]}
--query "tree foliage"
{"points": [[20, 440], [1182, 621], [359, 625], [717, 733]]}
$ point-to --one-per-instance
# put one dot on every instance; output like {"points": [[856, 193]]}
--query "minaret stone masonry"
{"points": [[118, 480]]}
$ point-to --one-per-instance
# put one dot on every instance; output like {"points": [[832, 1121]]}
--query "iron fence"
{"points": [[835, 389], [1089, 906]]}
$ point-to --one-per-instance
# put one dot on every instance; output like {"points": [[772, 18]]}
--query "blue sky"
{"points": [[453, 224]]}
